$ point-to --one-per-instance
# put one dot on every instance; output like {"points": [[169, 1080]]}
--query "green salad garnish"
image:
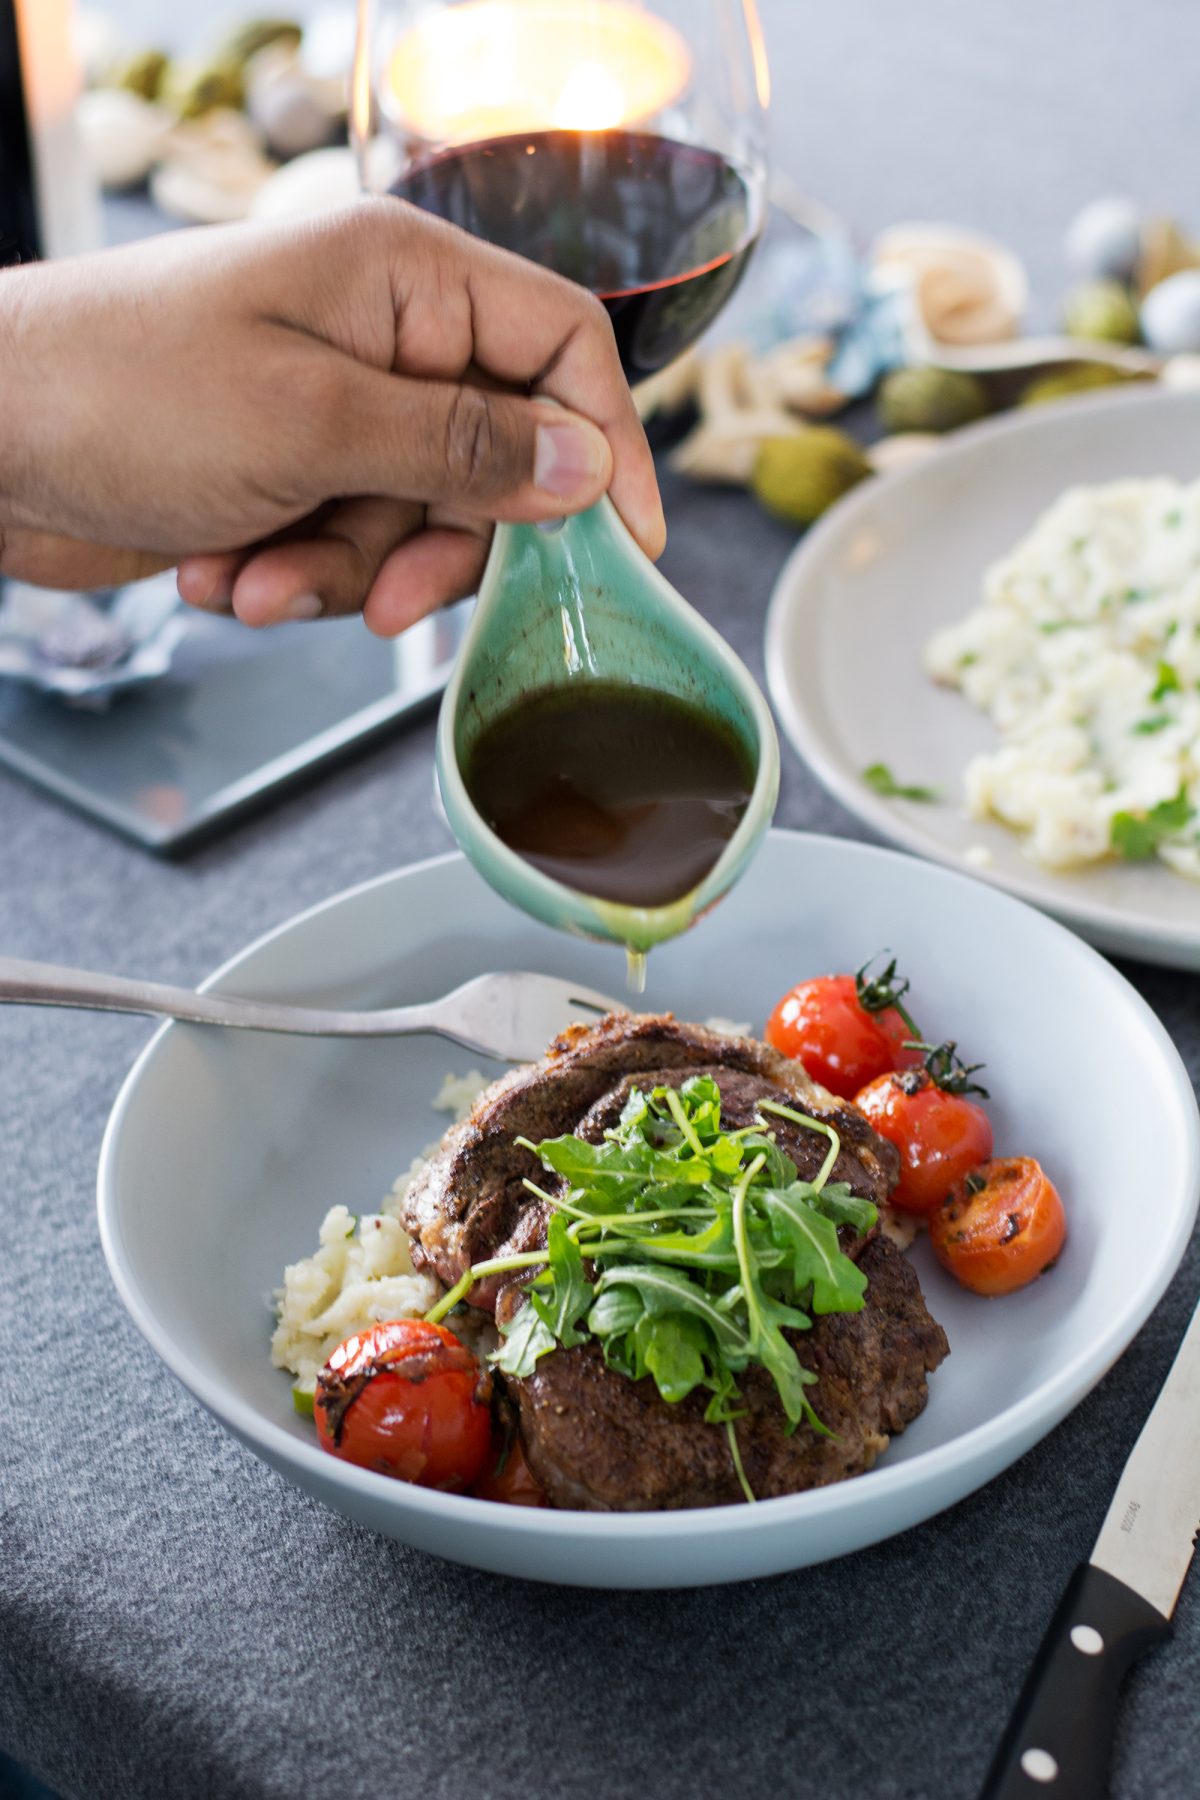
{"points": [[686, 1251], [880, 780], [1136, 836]]}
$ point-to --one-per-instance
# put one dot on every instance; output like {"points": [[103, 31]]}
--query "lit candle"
{"points": [[491, 67], [48, 84]]}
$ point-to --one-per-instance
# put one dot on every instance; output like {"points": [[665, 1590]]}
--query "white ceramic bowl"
{"points": [[860, 596], [226, 1148]]}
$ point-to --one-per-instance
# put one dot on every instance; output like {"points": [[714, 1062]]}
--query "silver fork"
{"points": [[510, 1016]]}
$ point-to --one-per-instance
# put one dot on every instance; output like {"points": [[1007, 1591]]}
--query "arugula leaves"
{"points": [[688, 1252]]}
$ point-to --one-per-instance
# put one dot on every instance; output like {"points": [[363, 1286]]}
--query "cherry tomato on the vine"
{"points": [[941, 1136], [1002, 1226], [409, 1399], [823, 1024]]}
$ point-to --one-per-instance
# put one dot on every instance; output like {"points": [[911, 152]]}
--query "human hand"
{"points": [[312, 418]]}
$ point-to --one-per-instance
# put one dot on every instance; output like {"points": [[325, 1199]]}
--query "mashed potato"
{"points": [[1086, 655], [362, 1272]]}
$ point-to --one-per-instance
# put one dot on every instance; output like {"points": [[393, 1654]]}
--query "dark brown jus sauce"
{"points": [[621, 792]]}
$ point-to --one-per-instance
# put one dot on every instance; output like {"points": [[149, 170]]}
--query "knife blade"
{"points": [[1116, 1606]]}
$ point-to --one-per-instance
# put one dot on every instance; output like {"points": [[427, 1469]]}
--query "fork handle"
{"points": [[46, 984]]}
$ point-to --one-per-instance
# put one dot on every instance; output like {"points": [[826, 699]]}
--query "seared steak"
{"points": [[594, 1438], [469, 1203]]}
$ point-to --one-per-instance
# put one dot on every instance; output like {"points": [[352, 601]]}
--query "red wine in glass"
{"points": [[661, 231]]}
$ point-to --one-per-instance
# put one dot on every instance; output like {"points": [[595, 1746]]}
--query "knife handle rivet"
{"points": [[1039, 1765], [1087, 1639]]}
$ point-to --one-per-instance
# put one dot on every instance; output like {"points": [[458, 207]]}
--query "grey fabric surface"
{"points": [[175, 1620]]}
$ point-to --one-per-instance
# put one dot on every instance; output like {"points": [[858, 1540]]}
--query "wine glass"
{"points": [[621, 145]]}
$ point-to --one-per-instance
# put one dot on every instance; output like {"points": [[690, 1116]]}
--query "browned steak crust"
{"points": [[469, 1203], [596, 1440]]}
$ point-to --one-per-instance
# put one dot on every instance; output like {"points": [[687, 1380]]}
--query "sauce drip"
{"points": [[623, 793]]}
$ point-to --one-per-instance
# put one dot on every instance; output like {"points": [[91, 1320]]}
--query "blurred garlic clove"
{"points": [[255, 35], [968, 288], [671, 389], [213, 170], [1164, 251], [1104, 240], [194, 89], [319, 182], [720, 385], [97, 41], [142, 73], [725, 448], [1171, 314], [793, 375], [902, 450], [1181, 372], [327, 48], [123, 135], [294, 111]]}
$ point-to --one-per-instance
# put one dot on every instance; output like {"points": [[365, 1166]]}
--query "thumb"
{"points": [[485, 453]]}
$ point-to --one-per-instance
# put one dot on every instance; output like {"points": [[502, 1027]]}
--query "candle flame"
{"points": [[592, 99], [758, 53], [488, 67], [360, 89]]}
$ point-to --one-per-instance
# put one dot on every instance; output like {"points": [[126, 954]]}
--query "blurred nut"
{"points": [[316, 183], [141, 74], [902, 451], [123, 135], [930, 400], [671, 389], [197, 88], [793, 375], [1181, 372], [213, 170], [725, 448], [968, 288], [1104, 240], [1080, 379], [799, 477], [1171, 313], [1165, 251], [295, 112], [1102, 309], [247, 40]]}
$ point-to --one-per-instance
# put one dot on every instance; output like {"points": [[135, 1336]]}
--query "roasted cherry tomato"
{"points": [[843, 1030], [410, 1400], [1002, 1226], [941, 1135], [508, 1477]]}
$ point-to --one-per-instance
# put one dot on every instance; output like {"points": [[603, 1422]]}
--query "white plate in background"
{"points": [[857, 601]]}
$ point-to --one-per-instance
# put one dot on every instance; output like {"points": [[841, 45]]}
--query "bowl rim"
{"points": [[793, 606], [1021, 1423]]}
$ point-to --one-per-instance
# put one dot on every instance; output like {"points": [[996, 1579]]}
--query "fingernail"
{"points": [[305, 606], [566, 460], [216, 598]]}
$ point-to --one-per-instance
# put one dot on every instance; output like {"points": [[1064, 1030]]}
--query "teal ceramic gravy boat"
{"points": [[579, 603]]}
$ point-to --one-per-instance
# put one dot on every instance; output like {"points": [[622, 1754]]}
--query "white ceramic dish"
{"points": [[225, 1149], [857, 601]]}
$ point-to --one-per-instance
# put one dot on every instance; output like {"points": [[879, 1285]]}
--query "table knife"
{"points": [[1116, 1606]]}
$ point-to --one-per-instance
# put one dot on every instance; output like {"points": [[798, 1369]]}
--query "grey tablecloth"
{"points": [[175, 1621]]}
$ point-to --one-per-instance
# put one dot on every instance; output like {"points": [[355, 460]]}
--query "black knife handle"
{"points": [[1059, 1739]]}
